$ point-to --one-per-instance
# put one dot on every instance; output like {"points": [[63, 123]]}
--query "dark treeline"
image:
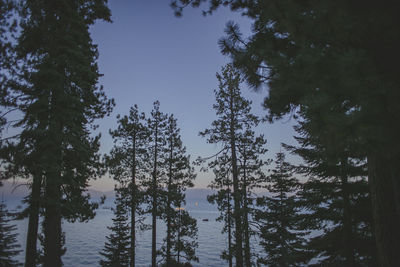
{"points": [[329, 65]]}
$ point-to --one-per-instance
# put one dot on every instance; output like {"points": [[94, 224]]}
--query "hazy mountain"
{"points": [[20, 190]]}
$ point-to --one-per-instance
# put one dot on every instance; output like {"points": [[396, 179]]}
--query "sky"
{"points": [[148, 54]]}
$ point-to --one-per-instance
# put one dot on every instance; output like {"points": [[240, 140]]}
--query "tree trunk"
{"points": [[247, 255], [229, 229], [133, 205], [52, 223], [168, 252], [154, 204], [179, 235], [133, 233], [52, 218], [383, 175], [33, 224], [236, 192]]}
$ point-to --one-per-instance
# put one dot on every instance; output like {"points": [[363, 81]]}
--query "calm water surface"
{"points": [[84, 241]]}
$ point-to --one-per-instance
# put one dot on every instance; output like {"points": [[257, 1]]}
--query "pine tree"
{"points": [[251, 150], [8, 242], [117, 249], [335, 197], [278, 216], [233, 114], [127, 163], [180, 176], [59, 100], [329, 62], [156, 124], [339, 212]]}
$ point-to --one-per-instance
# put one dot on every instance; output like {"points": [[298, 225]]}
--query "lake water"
{"points": [[84, 241]]}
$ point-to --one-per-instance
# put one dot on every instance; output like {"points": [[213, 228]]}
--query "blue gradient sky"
{"points": [[148, 54]]}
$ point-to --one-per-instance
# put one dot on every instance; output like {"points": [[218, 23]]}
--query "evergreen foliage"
{"points": [[233, 130], [8, 23], [341, 215], [251, 151], [117, 250], [335, 197], [9, 248], [279, 218], [180, 241], [330, 62], [59, 100], [156, 125], [127, 164]]}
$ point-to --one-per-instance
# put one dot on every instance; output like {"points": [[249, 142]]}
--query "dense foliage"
{"points": [[318, 57], [151, 166], [9, 248], [117, 248]]}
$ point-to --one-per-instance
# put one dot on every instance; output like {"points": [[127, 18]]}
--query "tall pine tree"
{"points": [[233, 115], [156, 124], [59, 101], [127, 165], [180, 176], [251, 152]]}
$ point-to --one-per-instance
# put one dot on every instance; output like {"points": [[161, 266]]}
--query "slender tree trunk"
{"points": [[246, 228], [33, 224], [133, 233], [168, 252], [236, 192], [133, 205], [52, 223], [179, 235], [383, 175], [229, 212], [154, 207]]}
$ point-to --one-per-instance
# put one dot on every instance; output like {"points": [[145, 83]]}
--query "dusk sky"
{"points": [[148, 54]]}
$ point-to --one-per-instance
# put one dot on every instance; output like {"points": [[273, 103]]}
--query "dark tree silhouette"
{"points": [[331, 61], [156, 124], [335, 197], [278, 217], [9, 248], [233, 116], [251, 151], [117, 250], [59, 100], [127, 165], [180, 241]]}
